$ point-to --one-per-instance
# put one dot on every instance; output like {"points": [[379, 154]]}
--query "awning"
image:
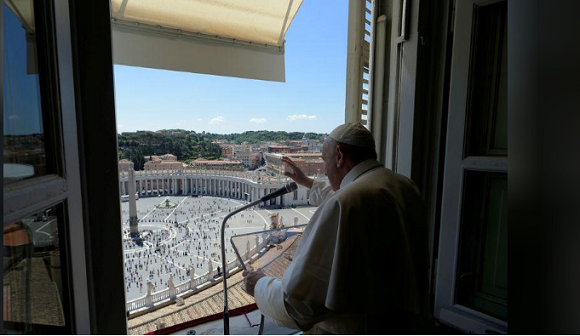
{"points": [[219, 37], [23, 9]]}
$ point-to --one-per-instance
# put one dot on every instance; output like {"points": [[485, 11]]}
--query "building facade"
{"points": [[249, 158], [217, 164], [162, 165], [310, 163]]}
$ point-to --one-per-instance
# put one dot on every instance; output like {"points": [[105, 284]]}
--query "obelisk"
{"points": [[133, 221]]}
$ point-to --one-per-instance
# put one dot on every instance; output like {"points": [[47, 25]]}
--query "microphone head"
{"points": [[291, 186]]}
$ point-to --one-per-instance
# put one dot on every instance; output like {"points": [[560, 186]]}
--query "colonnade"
{"points": [[158, 184]]}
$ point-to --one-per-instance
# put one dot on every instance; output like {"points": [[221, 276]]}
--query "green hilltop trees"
{"points": [[189, 145]]}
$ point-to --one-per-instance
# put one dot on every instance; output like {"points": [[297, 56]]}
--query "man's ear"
{"points": [[339, 156]]}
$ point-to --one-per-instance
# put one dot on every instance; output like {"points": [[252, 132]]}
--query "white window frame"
{"points": [[446, 310]]}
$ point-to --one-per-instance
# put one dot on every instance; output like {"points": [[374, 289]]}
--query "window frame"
{"points": [[446, 310], [61, 187]]}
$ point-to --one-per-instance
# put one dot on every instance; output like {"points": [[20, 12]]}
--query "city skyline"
{"points": [[217, 133]]}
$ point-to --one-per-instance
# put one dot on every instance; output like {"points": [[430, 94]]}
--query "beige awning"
{"points": [[23, 9], [240, 38]]}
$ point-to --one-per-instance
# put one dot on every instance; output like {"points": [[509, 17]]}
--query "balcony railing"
{"points": [[207, 279]]}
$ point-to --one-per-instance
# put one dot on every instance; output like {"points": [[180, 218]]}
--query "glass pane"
{"points": [[483, 259], [24, 145], [33, 281], [487, 106]]}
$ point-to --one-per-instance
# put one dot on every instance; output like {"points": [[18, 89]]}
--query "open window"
{"points": [[472, 280], [44, 279]]}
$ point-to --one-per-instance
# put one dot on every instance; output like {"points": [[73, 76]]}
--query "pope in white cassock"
{"points": [[362, 264]]}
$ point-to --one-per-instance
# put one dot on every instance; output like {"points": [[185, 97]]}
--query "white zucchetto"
{"points": [[353, 134]]}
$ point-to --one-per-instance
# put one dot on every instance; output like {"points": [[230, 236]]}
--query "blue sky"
{"points": [[311, 99]]}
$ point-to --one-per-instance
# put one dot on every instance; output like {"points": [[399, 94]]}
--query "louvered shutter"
{"points": [[359, 63]]}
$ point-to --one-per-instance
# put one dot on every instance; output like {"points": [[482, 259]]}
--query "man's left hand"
{"points": [[251, 277]]}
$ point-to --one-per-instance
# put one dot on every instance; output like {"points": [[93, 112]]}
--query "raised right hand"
{"points": [[297, 174]]}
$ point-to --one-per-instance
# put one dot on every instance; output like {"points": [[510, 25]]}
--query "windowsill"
{"points": [[471, 321]]}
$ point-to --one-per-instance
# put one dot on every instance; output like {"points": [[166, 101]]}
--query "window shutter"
{"points": [[359, 61]]}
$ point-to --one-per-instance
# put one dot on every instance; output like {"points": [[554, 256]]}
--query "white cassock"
{"points": [[362, 263]]}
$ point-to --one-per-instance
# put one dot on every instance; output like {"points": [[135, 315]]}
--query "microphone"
{"points": [[288, 188]]}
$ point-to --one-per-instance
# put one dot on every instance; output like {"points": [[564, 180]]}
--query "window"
{"points": [[472, 283], [41, 190], [481, 277]]}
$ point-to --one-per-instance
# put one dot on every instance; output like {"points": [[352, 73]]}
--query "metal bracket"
{"points": [[403, 37]]}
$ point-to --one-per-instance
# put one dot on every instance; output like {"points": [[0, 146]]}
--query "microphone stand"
{"points": [[284, 190], [225, 265]]}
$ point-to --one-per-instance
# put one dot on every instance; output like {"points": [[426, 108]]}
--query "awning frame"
{"points": [[139, 27]]}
